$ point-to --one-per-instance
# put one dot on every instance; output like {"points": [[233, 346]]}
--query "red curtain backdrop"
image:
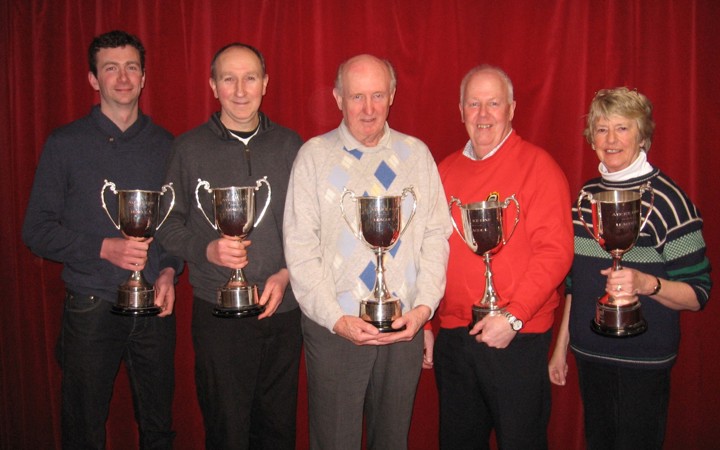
{"points": [[557, 53]]}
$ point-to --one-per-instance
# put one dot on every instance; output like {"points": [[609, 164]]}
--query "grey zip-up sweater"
{"points": [[210, 153]]}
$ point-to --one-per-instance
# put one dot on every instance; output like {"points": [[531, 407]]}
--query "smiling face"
{"points": [[365, 98], [240, 85], [486, 111], [120, 78], [617, 142]]}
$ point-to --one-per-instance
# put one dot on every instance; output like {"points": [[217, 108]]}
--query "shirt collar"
{"points": [[469, 151]]}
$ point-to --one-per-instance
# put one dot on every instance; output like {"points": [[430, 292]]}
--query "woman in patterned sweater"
{"points": [[625, 382]]}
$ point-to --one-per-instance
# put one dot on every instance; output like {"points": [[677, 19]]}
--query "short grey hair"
{"points": [[487, 68]]}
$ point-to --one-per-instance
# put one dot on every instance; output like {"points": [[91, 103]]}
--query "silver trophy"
{"points": [[617, 221], [234, 212], [379, 226], [138, 214], [483, 232]]}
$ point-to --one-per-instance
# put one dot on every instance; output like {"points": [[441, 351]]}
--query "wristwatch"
{"points": [[515, 323]]}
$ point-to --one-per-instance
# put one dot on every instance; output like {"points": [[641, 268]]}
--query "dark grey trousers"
{"points": [[346, 380]]}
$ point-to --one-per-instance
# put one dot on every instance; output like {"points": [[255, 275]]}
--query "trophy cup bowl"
{"points": [[483, 232], [138, 214], [234, 213], [379, 227], [617, 221]]}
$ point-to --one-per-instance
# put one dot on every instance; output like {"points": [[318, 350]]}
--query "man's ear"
{"points": [[94, 81], [338, 98]]}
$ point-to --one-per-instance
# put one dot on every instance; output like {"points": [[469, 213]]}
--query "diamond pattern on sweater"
{"points": [[355, 152], [393, 251], [385, 174], [368, 275]]}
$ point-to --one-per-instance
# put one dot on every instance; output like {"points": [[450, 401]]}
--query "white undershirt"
{"points": [[244, 140]]}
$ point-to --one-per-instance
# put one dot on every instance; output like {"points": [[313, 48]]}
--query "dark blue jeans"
{"points": [[92, 343], [625, 408], [483, 388]]}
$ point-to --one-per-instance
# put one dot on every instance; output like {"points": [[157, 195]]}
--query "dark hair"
{"points": [[240, 45], [114, 39]]}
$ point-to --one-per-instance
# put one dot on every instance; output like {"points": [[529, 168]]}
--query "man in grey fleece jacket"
{"points": [[246, 368]]}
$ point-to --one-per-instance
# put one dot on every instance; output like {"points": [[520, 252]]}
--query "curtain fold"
{"points": [[558, 55]]}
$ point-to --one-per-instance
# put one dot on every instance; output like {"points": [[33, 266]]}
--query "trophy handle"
{"points": [[593, 205], [643, 188], [454, 200], [172, 203], [111, 185], [345, 193], [267, 202], [206, 185], [506, 203], [405, 192]]}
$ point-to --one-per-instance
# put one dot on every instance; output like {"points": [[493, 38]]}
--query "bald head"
{"points": [[363, 62]]}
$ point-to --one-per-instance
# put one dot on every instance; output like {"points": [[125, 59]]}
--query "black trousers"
{"points": [[625, 408], [483, 388], [246, 375]]}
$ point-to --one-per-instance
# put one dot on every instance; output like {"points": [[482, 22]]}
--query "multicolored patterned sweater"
{"points": [[670, 246], [330, 269]]}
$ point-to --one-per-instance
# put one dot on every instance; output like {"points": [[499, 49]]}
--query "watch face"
{"points": [[515, 323]]}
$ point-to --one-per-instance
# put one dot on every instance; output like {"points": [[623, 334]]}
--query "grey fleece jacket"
{"points": [[210, 153]]}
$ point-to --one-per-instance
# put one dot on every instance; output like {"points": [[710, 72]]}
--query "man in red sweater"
{"points": [[495, 375]]}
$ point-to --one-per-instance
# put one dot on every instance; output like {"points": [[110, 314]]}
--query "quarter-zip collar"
{"points": [[221, 130]]}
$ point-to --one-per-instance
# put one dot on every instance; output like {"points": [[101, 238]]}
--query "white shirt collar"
{"points": [[469, 151]]}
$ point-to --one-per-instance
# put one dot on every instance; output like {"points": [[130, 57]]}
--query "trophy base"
{"points": [[238, 313], [136, 302], [618, 321], [238, 302], [381, 314], [386, 327], [138, 312], [479, 312]]}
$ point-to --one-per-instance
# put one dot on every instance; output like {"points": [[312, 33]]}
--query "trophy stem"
{"points": [[617, 265], [136, 281], [380, 291], [490, 298], [380, 308], [488, 306], [237, 278]]}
